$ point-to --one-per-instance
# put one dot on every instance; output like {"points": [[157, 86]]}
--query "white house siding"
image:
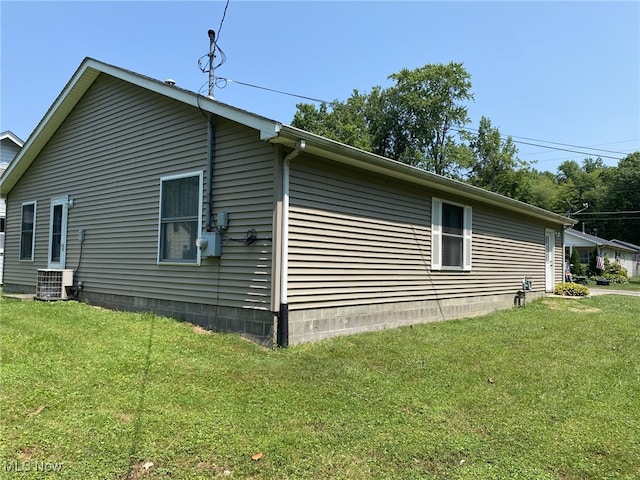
{"points": [[3, 214], [8, 150], [623, 257], [360, 254], [109, 156], [586, 247]]}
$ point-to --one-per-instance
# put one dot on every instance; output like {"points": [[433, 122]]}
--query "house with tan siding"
{"points": [[151, 197]]}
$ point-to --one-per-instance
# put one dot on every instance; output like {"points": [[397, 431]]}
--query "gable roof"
{"points": [[8, 135], [628, 245], [270, 130], [78, 85], [597, 241]]}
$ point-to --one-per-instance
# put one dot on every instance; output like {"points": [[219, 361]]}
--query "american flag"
{"points": [[599, 263]]}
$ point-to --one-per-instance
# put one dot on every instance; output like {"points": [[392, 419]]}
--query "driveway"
{"points": [[603, 291]]}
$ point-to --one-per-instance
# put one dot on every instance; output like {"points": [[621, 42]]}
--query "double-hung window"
{"points": [[180, 218], [28, 231], [450, 236]]}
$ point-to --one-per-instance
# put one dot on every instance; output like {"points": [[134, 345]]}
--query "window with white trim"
{"points": [[180, 218], [2, 230], [28, 231], [450, 236]]}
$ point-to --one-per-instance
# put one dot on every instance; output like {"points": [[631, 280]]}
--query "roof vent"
{"points": [[170, 81]]}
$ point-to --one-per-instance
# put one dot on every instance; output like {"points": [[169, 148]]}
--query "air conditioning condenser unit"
{"points": [[52, 284]]}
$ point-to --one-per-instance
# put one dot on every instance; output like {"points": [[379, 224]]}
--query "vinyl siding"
{"points": [[8, 150], [109, 156], [357, 238]]}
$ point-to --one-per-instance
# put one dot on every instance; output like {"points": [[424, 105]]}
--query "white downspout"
{"points": [[283, 325]]}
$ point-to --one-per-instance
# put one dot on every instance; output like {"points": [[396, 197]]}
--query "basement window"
{"points": [[180, 218], [450, 236]]}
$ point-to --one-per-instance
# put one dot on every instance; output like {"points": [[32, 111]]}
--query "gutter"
{"points": [[282, 339], [330, 149]]}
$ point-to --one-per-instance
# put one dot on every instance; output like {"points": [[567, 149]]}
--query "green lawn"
{"points": [[633, 285], [549, 391]]}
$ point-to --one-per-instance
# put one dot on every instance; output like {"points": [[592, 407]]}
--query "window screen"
{"points": [[27, 231], [180, 211]]}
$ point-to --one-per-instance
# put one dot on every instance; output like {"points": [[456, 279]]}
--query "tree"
{"points": [[414, 121], [624, 196], [538, 188], [495, 166], [426, 107], [588, 184], [345, 122]]}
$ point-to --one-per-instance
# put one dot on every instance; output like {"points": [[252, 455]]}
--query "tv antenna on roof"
{"points": [[214, 51], [212, 56]]}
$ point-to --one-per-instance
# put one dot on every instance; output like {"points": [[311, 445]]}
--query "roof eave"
{"points": [[597, 241], [78, 85], [13, 137], [346, 154]]}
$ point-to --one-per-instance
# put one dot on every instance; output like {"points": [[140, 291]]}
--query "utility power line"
{"points": [[465, 129], [555, 143], [627, 212], [502, 137]]}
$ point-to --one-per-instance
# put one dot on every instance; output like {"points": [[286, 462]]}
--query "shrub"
{"points": [[615, 278], [576, 266], [571, 290], [615, 273]]}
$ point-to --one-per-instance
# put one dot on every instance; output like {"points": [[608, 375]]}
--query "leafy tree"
{"points": [[578, 185], [542, 190], [589, 165], [345, 122], [623, 196], [426, 105], [568, 170], [414, 121], [495, 165], [419, 120]]}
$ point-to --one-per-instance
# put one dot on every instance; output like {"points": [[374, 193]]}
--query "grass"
{"points": [[549, 391], [633, 285]]}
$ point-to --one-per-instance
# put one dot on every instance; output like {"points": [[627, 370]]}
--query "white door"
{"points": [[58, 232], [549, 263]]}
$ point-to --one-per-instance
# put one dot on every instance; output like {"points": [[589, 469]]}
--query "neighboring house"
{"points": [[614, 250], [9, 146], [310, 238], [635, 271]]}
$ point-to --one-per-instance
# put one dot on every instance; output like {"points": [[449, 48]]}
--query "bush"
{"points": [[615, 278], [576, 266], [615, 273], [571, 290]]}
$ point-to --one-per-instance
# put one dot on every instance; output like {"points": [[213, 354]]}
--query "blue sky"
{"points": [[564, 72]]}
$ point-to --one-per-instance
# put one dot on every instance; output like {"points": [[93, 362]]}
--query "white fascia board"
{"points": [[629, 246], [11, 136]]}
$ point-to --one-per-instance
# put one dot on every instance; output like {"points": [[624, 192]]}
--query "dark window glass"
{"points": [[56, 233], [452, 235], [179, 219], [27, 232]]}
